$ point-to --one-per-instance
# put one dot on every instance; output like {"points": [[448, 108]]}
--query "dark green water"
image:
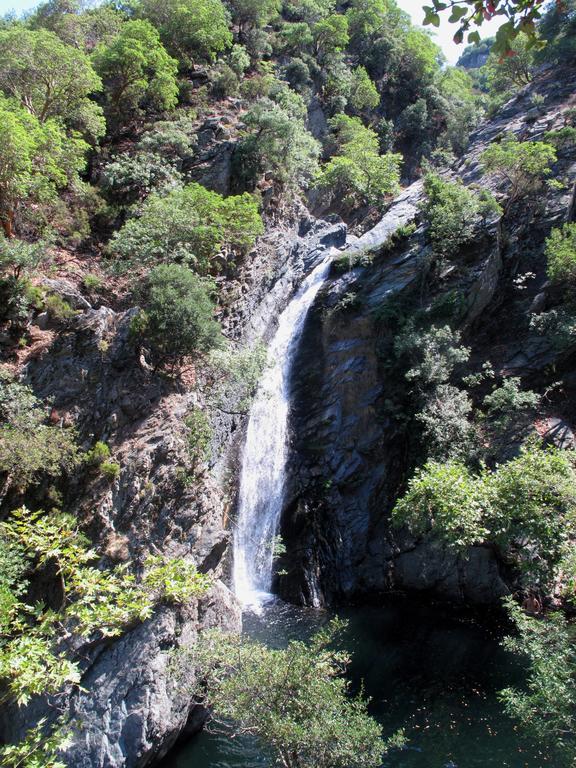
{"points": [[426, 671]]}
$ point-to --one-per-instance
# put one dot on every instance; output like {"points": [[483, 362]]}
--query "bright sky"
{"points": [[445, 33], [16, 5], [413, 7]]}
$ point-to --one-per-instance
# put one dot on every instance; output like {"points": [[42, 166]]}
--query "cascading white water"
{"points": [[262, 478]]}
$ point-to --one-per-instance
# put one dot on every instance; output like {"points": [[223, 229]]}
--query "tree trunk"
{"points": [[7, 222]]}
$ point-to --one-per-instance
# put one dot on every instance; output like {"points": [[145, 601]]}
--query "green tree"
{"points": [[84, 28], [137, 72], [294, 700], [277, 142], [451, 212], [432, 355], [50, 79], [192, 225], [521, 16], [330, 35], [36, 159], [465, 107], [561, 254], [366, 19], [156, 164], [363, 92], [521, 165], [546, 707], [178, 318], [525, 507], [505, 74], [191, 30], [309, 11], [358, 174], [253, 13]]}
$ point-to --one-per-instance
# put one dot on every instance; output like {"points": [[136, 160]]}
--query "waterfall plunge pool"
{"points": [[428, 671]]}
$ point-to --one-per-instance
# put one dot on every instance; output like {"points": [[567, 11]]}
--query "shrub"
{"points": [[293, 700], [199, 436], [131, 178], [237, 375], [358, 174], [446, 500], [546, 708], [191, 225], [224, 80], [451, 212], [110, 470], [448, 434], [521, 165], [561, 138], [363, 92], [508, 400], [526, 507], [179, 313], [30, 449], [561, 254], [432, 354], [58, 308], [276, 142], [98, 454], [92, 283]]}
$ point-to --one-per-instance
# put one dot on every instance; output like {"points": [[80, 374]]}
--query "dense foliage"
{"points": [[192, 225], [546, 708], [151, 140], [178, 317], [526, 507], [275, 696]]}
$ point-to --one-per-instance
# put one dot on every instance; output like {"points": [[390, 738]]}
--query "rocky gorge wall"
{"points": [[351, 451], [129, 711]]}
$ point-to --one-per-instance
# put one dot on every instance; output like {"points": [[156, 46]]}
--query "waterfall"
{"points": [[262, 478]]}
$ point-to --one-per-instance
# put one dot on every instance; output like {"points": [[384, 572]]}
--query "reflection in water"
{"points": [[434, 675]]}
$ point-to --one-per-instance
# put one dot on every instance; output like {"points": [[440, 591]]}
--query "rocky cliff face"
{"points": [[129, 710], [351, 451]]}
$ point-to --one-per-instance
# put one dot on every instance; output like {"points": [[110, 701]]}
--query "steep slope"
{"points": [[355, 439]]}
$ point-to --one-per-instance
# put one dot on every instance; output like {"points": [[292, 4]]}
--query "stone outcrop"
{"points": [[350, 454]]}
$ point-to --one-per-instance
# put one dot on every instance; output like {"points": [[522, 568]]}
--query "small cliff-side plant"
{"points": [[521, 165], [30, 448], [110, 470], [294, 700], [451, 211], [561, 254], [98, 454], [198, 437]]}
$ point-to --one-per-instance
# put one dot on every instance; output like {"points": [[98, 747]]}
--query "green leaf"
{"points": [[457, 13]]}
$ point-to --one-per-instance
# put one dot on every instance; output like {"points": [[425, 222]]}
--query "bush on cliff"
{"points": [[526, 508], [178, 317], [191, 225]]}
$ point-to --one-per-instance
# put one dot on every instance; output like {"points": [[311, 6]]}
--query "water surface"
{"points": [[431, 673]]}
